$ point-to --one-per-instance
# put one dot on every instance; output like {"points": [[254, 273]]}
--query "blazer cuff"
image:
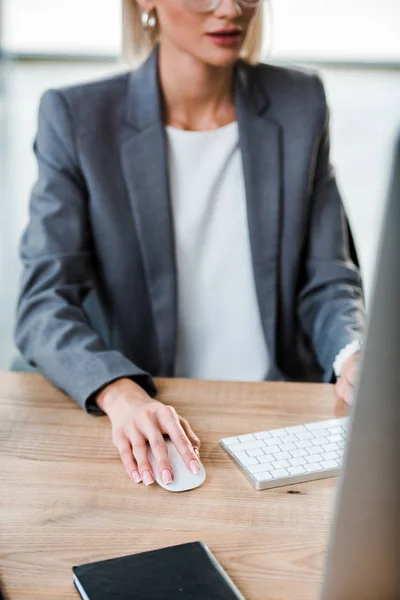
{"points": [[344, 354], [330, 374], [85, 375]]}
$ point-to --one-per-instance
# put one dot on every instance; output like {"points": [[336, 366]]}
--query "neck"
{"points": [[196, 96]]}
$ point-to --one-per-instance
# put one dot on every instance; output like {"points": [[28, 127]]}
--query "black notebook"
{"points": [[187, 571]]}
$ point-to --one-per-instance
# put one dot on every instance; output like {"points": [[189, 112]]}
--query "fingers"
{"points": [[143, 427], [181, 436], [150, 430], [125, 451], [344, 390], [350, 368], [158, 447], [351, 373], [140, 452], [195, 441]]}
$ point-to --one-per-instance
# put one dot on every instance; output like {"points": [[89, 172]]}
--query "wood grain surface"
{"points": [[65, 498]]}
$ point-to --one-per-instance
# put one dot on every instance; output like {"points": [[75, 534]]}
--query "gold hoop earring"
{"points": [[149, 20]]}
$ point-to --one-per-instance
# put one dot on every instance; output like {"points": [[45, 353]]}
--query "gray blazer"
{"points": [[98, 297]]}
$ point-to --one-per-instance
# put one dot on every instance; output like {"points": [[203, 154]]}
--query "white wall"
{"points": [[72, 26], [303, 29], [337, 29]]}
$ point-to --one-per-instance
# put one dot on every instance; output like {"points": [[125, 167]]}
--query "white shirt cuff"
{"points": [[344, 354]]}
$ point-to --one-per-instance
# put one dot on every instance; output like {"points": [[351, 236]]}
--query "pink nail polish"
{"points": [[194, 466], [136, 476], [147, 478], [166, 476]]}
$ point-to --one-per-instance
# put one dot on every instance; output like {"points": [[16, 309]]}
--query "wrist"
{"points": [[348, 363], [118, 391], [343, 356]]}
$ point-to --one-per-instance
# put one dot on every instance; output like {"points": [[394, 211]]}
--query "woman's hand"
{"points": [[136, 419], [348, 377]]}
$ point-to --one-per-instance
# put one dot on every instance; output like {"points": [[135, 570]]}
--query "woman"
{"points": [[196, 198]]}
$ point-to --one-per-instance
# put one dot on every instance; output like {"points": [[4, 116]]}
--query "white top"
{"points": [[220, 334]]}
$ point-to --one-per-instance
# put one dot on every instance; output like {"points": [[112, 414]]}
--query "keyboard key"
{"points": [[322, 433], [248, 437], [246, 460], [320, 441], [246, 446], [271, 449], [313, 467], [299, 452], [262, 435], [281, 464], [278, 433], [343, 422], [261, 468], [230, 441], [315, 426], [255, 452], [329, 455], [296, 462], [279, 473], [289, 439], [282, 455], [314, 458], [287, 447], [335, 430], [321, 425], [263, 476], [295, 429], [270, 441], [304, 444], [335, 438], [331, 447], [330, 464], [266, 458], [341, 444], [278, 441], [296, 470], [305, 435], [316, 449]]}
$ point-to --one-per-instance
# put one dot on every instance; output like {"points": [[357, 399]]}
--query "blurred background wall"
{"points": [[355, 45]]}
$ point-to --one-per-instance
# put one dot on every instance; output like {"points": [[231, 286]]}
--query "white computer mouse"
{"points": [[183, 478]]}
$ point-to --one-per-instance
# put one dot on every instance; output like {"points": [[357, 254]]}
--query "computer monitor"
{"points": [[363, 561]]}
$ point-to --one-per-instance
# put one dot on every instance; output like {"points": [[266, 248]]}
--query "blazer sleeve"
{"points": [[52, 331], [330, 304]]}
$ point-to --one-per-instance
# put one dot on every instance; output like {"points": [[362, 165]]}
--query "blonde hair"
{"points": [[138, 43]]}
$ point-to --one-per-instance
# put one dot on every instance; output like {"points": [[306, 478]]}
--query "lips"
{"points": [[226, 37], [227, 33]]}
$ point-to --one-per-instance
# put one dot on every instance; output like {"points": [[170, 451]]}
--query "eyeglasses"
{"points": [[204, 6]]}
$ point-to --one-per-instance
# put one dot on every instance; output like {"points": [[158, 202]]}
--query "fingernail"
{"points": [[136, 476], [194, 466], [166, 476], [147, 478]]}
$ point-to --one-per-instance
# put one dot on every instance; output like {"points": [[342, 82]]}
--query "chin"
{"points": [[221, 57]]}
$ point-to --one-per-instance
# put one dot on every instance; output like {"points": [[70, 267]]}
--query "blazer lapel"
{"points": [[261, 156], [144, 166]]}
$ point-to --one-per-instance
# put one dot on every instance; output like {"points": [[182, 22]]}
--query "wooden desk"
{"points": [[65, 499]]}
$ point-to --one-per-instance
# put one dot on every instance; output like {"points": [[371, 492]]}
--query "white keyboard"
{"points": [[290, 455]]}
